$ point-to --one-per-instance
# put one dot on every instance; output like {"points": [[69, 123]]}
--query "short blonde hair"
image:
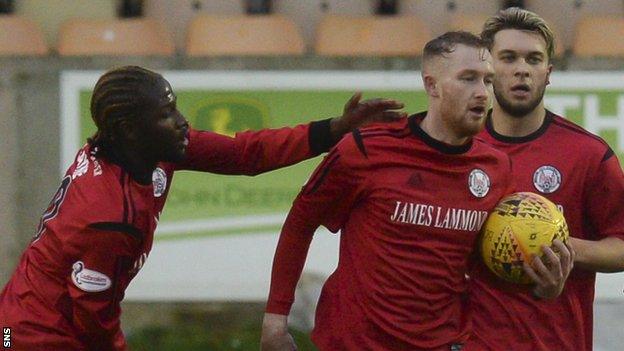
{"points": [[517, 18]]}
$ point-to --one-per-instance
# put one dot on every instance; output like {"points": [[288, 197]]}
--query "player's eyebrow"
{"points": [[515, 52], [475, 72], [506, 51], [469, 71]]}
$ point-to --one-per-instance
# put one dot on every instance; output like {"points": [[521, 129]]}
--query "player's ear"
{"points": [[431, 85], [550, 68], [126, 130]]}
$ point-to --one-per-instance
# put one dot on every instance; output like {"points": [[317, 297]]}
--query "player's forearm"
{"points": [[290, 257], [606, 255], [287, 267], [255, 152], [276, 148]]}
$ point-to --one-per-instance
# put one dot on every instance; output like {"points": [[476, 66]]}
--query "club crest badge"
{"points": [[89, 280], [478, 183], [159, 180], [547, 179]]}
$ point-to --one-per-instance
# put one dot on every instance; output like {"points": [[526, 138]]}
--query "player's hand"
{"points": [[550, 273], [357, 113], [275, 336]]}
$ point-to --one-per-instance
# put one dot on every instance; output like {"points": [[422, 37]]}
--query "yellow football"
{"points": [[516, 229]]}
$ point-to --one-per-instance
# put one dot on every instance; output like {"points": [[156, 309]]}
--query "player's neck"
{"points": [[132, 162], [141, 172], [511, 126], [432, 125]]}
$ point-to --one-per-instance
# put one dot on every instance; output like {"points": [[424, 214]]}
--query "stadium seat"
{"points": [[564, 16], [371, 36], [599, 36], [50, 14], [264, 35], [560, 44], [118, 37], [20, 36], [307, 14], [469, 22], [439, 14], [176, 15]]}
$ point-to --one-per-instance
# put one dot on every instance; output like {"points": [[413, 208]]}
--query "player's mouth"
{"points": [[521, 91], [478, 111], [184, 139]]}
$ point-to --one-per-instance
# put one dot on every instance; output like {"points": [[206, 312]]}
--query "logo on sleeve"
{"points": [[547, 179], [89, 280], [478, 183], [159, 180], [82, 165]]}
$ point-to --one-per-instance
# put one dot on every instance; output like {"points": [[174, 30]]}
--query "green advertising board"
{"points": [[198, 198]]}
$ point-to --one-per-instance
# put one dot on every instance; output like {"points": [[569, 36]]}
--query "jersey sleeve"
{"points": [[100, 257], [254, 152], [325, 200], [605, 198]]}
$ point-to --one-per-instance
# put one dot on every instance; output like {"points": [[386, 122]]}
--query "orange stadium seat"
{"points": [[469, 22], [264, 35], [371, 36], [20, 36], [118, 37], [560, 45], [599, 36]]}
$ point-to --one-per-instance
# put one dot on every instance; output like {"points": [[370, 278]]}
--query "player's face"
{"points": [[164, 129], [466, 89], [522, 70]]}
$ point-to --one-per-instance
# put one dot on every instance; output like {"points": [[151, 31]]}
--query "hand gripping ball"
{"points": [[516, 229]]}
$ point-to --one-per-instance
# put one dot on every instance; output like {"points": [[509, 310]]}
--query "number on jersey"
{"points": [[53, 207]]}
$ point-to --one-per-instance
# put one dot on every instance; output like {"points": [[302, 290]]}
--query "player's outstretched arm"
{"points": [[254, 152], [550, 274]]}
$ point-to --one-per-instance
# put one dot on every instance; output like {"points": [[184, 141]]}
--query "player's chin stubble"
{"points": [[518, 110]]}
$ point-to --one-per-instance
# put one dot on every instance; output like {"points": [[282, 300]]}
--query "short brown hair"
{"points": [[446, 43], [520, 19]]}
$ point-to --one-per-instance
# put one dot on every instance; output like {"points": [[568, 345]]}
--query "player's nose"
{"points": [[181, 121], [521, 69], [482, 91]]}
